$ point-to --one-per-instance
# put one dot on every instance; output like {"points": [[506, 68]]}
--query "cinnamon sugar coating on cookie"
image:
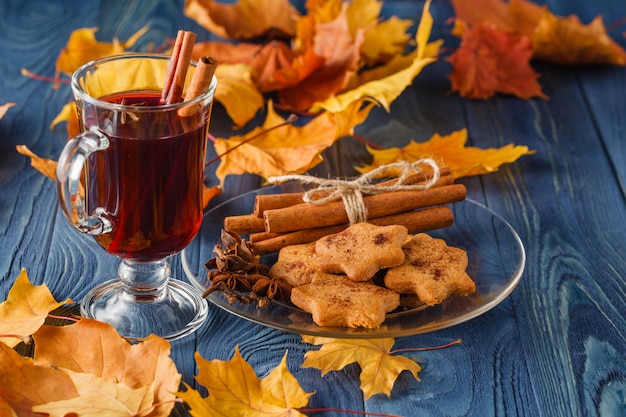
{"points": [[432, 270], [361, 250], [335, 300]]}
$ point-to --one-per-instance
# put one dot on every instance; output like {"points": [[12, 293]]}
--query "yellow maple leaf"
{"points": [[83, 47], [99, 397], [386, 40], [25, 309], [235, 390], [288, 149], [379, 369], [4, 108], [244, 19], [70, 115], [93, 347], [450, 151], [238, 93], [386, 90]]}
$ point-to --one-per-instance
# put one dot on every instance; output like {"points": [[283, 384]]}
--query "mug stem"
{"points": [[143, 300]]}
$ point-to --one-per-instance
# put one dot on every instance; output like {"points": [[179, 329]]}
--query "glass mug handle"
{"points": [[69, 187]]}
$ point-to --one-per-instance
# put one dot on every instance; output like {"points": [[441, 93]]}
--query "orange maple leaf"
{"points": [[386, 82], [568, 41], [288, 149], [379, 369], [516, 16], [562, 40], [23, 384], [234, 389], [341, 54], [450, 151], [25, 310], [92, 347], [491, 61], [244, 19]]}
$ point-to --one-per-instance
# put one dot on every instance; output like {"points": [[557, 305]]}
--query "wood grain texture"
{"points": [[555, 347]]}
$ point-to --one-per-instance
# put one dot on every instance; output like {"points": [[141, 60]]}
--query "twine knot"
{"points": [[351, 192]]}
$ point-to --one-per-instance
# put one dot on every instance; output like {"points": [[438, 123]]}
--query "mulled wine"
{"points": [[149, 181]]}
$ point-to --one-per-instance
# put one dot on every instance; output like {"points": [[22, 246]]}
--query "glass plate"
{"points": [[496, 262]]}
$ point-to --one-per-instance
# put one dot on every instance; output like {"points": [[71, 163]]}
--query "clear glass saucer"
{"points": [[496, 263]]}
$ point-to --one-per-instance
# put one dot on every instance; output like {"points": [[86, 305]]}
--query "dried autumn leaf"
{"points": [[208, 193], [68, 114], [340, 52], [238, 93], [25, 309], [563, 40], [490, 61], [47, 167], [568, 41], [386, 40], [99, 397], [24, 384], [92, 347], [6, 410], [451, 151], [83, 47], [4, 108], [244, 19], [514, 16], [226, 52], [288, 149], [235, 390], [379, 369], [386, 89]]}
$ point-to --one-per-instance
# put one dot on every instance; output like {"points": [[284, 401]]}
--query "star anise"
{"points": [[237, 273]]}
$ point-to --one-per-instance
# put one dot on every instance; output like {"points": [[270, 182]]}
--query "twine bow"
{"points": [[352, 191]]}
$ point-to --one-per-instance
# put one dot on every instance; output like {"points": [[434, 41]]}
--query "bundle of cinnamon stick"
{"points": [[280, 220], [177, 73]]}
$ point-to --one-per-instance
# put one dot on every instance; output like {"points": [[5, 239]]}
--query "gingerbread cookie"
{"points": [[361, 250], [296, 264], [335, 300], [432, 270]]}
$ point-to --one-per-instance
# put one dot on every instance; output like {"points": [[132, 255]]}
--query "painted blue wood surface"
{"points": [[555, 347]]}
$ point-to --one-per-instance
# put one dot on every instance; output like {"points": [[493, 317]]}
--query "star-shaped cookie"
{"points": [[432, 270], [361, 250], [296, 264], [335, 300]]}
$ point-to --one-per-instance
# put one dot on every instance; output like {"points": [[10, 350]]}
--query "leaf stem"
{"points": [[56, 80], [54, 316], [447, 345], [368, 143], [292, 118]]}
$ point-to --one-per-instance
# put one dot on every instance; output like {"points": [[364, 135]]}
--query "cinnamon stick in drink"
{"points": [[415, 221], [308, 216], [177, 70], [200, 83]]}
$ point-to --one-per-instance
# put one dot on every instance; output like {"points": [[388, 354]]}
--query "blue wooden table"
{"points": [[555, 347]]}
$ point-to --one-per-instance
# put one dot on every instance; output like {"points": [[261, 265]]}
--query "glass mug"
{"points": [[133, 179]]}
